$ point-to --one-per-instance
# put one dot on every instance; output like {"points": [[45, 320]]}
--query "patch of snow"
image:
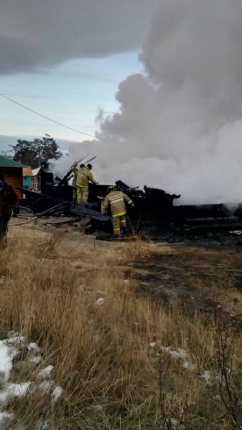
{"points": [[4, 418], [174, 422], [100, 301], [36, 360], [46, 386], [152, 344], [217, 398], [19, 390], [14, 390], [57, 392], [32, 346], [7, 353], [179, 353], [46, 372], [42, 425], [207, 376], [166, 348], [189, 366], [175, 354], [9, 348], [4, 395], [98, 407], [15, 340]]}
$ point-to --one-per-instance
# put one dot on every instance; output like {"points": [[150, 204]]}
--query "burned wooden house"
{"points": [[42, 178], [154, 208]]}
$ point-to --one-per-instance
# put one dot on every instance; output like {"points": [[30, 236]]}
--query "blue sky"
{"points": [[70, 93]]}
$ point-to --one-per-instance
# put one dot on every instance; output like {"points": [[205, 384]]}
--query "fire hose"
{"points": [[28, 219]]}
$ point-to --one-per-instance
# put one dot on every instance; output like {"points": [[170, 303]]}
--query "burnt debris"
{"points": [[154, 209]]}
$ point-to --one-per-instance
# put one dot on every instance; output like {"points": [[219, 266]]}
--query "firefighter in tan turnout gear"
{"points": [[75, 169], [116, 199], [84, 176]]}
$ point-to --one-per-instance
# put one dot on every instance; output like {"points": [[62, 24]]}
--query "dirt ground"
{"points": [[203, 277]]}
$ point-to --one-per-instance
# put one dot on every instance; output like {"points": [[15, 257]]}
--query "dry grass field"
{"points": [[122, 359]]}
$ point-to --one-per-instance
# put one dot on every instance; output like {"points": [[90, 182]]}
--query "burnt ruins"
{"points": [[154, 210]]}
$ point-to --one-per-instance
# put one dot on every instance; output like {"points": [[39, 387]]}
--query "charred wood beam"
{"points": [[65, 178], [30, 193], [212, 227], [61, 206], [66, 206], [82, 210], [232, 219]]}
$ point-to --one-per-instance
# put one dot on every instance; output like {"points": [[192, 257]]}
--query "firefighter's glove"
{"points": [[131, 206], [15, 212]]}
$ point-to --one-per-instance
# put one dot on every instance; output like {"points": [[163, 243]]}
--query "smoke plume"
{"points": [[180, 122]]}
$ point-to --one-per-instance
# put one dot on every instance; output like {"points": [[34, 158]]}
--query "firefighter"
{"points": [[8, 202], [75, 169], [116, 199], [84, 176]]}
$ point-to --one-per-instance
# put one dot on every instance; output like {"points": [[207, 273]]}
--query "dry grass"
{"points": [[111, 377]]}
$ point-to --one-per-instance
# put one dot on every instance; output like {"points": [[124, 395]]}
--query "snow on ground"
{"points": [[46, 372], [7, 354], [178, 354], [183, 357], [5, 418], [32, 346], [207, 376], [9, 350]]}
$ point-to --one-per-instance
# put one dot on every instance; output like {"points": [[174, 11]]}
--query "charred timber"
{"points": [[153, 206]]}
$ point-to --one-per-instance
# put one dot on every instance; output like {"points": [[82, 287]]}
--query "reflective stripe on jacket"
{"points": [[84, 175], [116, 200]]}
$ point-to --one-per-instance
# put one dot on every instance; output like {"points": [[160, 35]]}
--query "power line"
{"points": [[43, 116]]}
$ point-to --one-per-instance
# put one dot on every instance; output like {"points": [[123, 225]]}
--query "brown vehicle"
{"points": [[9, 203]]}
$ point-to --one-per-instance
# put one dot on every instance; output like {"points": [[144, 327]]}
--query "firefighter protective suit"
{"points": [[75, 170], [116, 199], [84, 176]]}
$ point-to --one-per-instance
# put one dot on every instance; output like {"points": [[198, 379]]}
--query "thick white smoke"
{"points": [[180, 124]]}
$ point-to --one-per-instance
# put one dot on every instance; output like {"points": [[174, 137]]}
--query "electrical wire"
{"points": [[43, 116]]}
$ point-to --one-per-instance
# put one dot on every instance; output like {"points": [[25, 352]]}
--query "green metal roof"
{"points": [[6, 162]]}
